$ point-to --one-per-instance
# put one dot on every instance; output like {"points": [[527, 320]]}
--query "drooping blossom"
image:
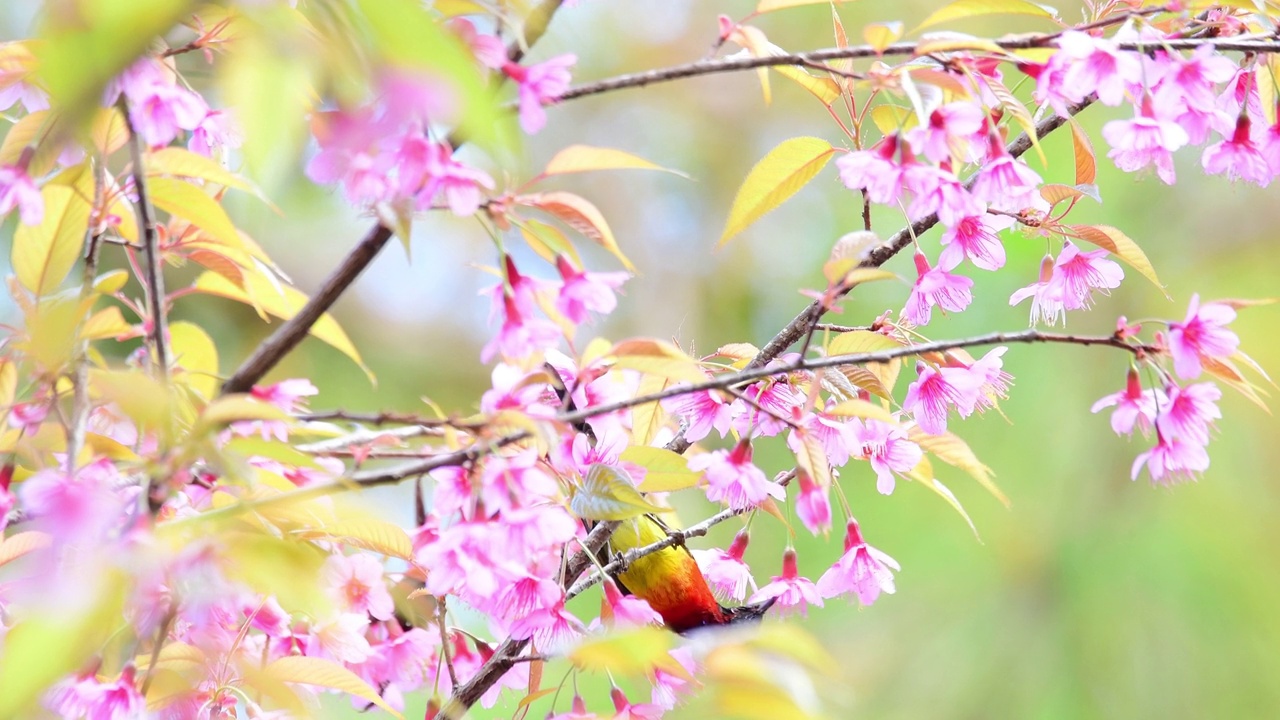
{"points": [[18, 190], [1097, 65], [668, 686], [1238, 157], [1005, 182], [488, 49], [1172, 460], [933, 393], [862, 571], [977, 238], [936, 286], [1133, 406], [875, 171], [1202, 335], [159, 108], [1046, 296], [430, 173], [793, 592], [763, 407], [938, 190], [625, 611], [91, 698], [1080, 273], [350, 154], [733, 479], [539, 84], [624, 709], [1189, 411], [340, 637], [217, 130], [520, 335], [888, 449], [1145, 141], [79, 507], [700, 412], [812, 504], [831, 433], [584, 291], [949, 133], [725, 571]]}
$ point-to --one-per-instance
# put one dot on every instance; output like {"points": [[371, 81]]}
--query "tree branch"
{"points": [[152, 278]]}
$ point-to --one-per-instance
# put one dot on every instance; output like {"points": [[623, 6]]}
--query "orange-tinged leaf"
{"points": [[1086, 161], [19, 544], [882, 35], [181, 199], [585, 158], [1227, 372], [779, 175], [282, 302], [579, 214], [43, 254], [962, 9], [1120, 245], [811, 459], [771, 5], [326, 674]]}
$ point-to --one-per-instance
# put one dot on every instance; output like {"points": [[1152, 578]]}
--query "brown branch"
{"points": [[854, 52], [80, 404], [153, 278]]}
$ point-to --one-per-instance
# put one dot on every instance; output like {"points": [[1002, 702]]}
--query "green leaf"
{"points": [[665, 471], [1120, 245], [43, 254], [282, 302], [779, 175], [326, 674], [607, 493], [962, 9]]}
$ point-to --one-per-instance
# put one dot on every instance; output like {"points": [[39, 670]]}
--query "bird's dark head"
{"points": [[747, 613]]}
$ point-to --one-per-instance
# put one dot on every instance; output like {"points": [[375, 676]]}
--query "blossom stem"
{"points": [[153, 278]]}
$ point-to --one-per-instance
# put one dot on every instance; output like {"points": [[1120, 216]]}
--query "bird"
{"points": [[671, 582]]}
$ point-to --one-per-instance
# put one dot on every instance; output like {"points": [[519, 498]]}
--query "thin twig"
{"points": [[80, 404], [153, 278]]}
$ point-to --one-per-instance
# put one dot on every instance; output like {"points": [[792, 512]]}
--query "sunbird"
{"points": [[671, 582]]}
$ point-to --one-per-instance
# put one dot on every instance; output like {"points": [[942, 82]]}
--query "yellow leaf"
{"points": [[111, 282], [861, 409], [665, 471], [822, 87], [142, 398], [882, 35], [547, 241], [43, 254], [607, 493], [233, 408], [890, 119], [1020, 114], [779, 175], [326, 674], [811, 459], [183, 200], [269, 85], [19, 544], [30, 131], [923, 474], [961, 9], [955, 452], [771, 5], [282, 302], [52, 330], [195, 352], [181, 162], [953, 44], [106, 323], [858, 342], [108, 131], [579, 214], [585, 158], [632, 652], [655, 357], [380, 536], [1120, 245], [648, 418]]}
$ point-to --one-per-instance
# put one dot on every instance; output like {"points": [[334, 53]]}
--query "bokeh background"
{"points": [[1092, 596]]}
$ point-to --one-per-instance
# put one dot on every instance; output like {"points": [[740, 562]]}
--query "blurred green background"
{"points": [[1093, 596]]}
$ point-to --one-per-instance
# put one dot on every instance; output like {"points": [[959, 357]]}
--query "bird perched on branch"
{"points": [[670, 581]]}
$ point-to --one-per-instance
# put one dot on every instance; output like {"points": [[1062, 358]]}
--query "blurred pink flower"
{"points": [[950, 132], [18, 190], [540, 84], [1172, 460], [863, 570], [1203, 334], [584, 291], [357, 582]]}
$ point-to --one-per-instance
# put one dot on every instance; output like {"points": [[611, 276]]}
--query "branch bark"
{"points": [[153, 278]]}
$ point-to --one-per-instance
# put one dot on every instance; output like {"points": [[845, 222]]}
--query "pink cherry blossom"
{"points": [[33, 99], [350, 155], [358, 583], [624, 709], [733, 479], [776, 399], [1144, 142], [1006, 183], [830, 432], [1189, 411], [863, 570], [87, 697], [76, 508], [1133, 406], [888, 449], [1080, 273], [159, 108], [813, 504], [429, 172], [1203, 334], [1192, 80], [1096, 65], [624, 611], [552, 628], [950, 132], [977, 238], [520, 336], [933, 393], [668, 687], [17, 190], [586, 291], [988, 373], [340, 637], [725, 571], [938, 190], [217, 130], [515, 480], [935, 286], [488, 49], [792, 592], [1172, 460], [700, 412], [874, 171], [1239, 158], [540, 84]]}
